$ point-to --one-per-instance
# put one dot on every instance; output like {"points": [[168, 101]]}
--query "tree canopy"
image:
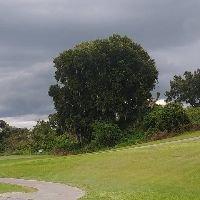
{"points": [[106, 79], [185, 88]]}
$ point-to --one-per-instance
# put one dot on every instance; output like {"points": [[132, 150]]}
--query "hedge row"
{"points": [[158, 122]]}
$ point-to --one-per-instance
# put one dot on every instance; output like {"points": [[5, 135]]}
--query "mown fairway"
{"points": [[165, 172]]}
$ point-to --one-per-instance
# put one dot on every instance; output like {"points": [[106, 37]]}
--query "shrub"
{"points": [[133, 136], [194, 115], [171, 117], [43, 137], [66, 144], [105, 134], [61, 142]]}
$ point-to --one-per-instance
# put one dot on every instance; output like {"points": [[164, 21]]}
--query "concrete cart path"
{"points": [[45, 191]]}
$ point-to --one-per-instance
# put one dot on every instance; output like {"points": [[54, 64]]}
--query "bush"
{"points": [[43, 137], [194, 115], [171, 117], [66, 144], [61, 142], [105, 134], [133, 136]]}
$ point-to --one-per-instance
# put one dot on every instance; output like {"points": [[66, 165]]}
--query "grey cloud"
{"points": [[26, 91], [22, 121], [175, 61], [33, 32], [155, 23]]}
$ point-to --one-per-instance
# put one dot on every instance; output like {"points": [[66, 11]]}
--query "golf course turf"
{"points": [[170, 171]]}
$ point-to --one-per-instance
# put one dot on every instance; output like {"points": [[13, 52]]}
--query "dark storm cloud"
{"points": [[25, 91], [33, 32], [45, 23]]}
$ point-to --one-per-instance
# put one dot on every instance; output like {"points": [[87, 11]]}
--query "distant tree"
{"points": [[106, 79], [12, 138], [5, 131], [185, 88], [3, 124], [19, 141]]}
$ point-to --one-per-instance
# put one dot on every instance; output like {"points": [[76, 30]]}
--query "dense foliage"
{"points": [[105, 134], [171, 117], [13, 139], [194, 115], [185, 88], [45, 138], [103, 99], [108, 80], [19, 141]]}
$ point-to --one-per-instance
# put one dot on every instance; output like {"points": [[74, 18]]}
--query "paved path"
{"points": [[45, 191]]}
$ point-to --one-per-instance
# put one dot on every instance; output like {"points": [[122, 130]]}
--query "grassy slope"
{"points": [[165, 172]]}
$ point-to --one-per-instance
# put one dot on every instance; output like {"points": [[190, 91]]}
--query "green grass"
{"points": [[14, 188], [165, 172], [178, 137]]}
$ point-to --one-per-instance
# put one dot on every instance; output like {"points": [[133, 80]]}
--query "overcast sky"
{"points": [[33, 32]]}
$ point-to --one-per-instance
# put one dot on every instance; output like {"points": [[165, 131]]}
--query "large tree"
{"points": [[106, 79], [185, 88]]}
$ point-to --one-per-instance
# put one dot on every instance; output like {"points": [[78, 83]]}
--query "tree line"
{"points": [[103, 97]]}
